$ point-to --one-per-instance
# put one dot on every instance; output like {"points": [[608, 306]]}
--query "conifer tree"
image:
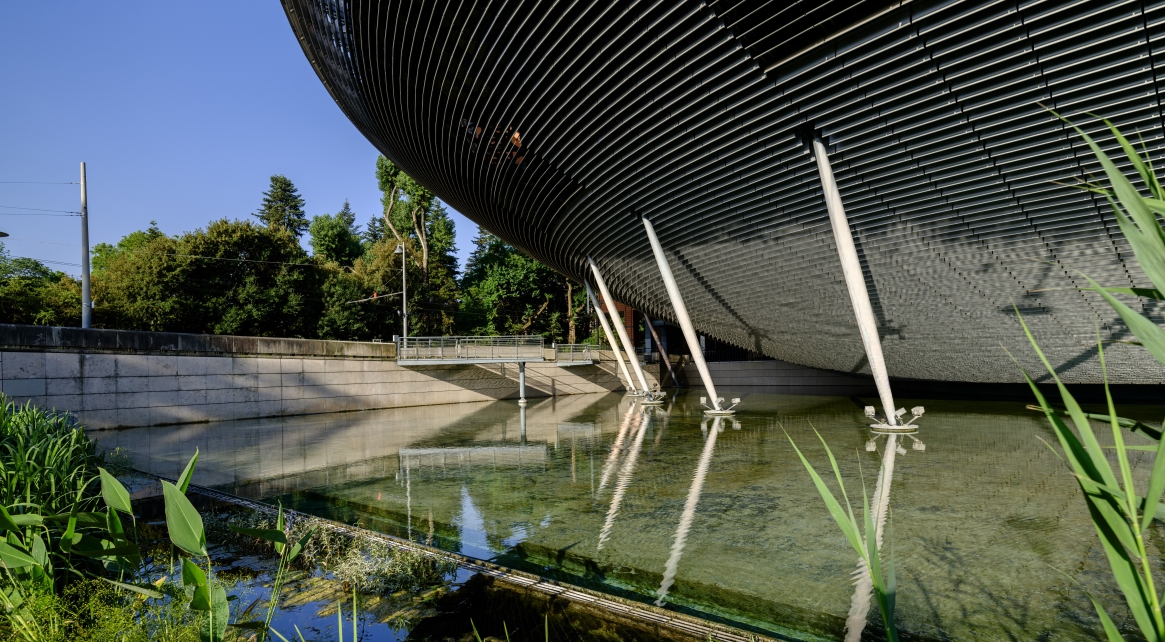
{"points": [[282, 207]]}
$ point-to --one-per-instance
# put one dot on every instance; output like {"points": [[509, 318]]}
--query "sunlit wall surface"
{"points": [[553, 124]]}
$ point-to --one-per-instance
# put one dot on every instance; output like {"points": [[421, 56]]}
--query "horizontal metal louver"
{"points": [[554, 125]]}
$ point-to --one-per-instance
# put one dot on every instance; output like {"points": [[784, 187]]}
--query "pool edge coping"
{"points": [[685, 624]]}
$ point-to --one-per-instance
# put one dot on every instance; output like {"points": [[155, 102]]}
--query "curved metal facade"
{"points": [[554, 124]]}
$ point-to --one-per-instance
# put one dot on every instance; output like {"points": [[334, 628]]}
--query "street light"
{"points": [[404, 292]]}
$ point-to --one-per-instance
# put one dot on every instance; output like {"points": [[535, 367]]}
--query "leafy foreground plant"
{"points": [[1121, 515], [863, 540]]}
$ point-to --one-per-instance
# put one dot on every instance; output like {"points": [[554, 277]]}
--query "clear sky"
{"points": [[181, 112]]}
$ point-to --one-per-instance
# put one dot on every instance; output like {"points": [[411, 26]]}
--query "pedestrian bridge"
{"points": [[419, 351], [567, 355]]}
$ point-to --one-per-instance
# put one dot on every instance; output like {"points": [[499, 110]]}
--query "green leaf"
{"points": [[114, 494], [6, 522], [13, 557], [280, 527], [298, 548], [141, 589], [98, 520], [267, 534], [183, 522], [187, 473], [848, 527], [29, 519], [1150, 334], [214, 626], [193, 576], [1110, 630], [1148, 293]]}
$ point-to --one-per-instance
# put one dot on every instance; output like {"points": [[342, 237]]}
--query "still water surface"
{"points": [[990, 535]]}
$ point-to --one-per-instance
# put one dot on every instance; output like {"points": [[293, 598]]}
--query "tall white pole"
{"points": [[404, 295], [619, 329], [86, 299], [677, 302], [855, 282], [610, 337]]}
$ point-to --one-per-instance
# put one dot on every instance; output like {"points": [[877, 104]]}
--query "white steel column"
{"points": [[855, 282], [619, 329], [522, 383], [677, 302], [610, 337]]}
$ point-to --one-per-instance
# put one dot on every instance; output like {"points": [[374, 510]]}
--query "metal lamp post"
{"points": [[404, 293]]}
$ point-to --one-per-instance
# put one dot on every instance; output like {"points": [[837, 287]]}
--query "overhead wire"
{"points": [[37, 209], [36, 183]]}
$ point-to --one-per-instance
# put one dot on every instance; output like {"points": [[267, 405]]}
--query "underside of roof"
{"points": [[555, 125]]}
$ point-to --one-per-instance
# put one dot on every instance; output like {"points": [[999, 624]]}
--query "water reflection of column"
{"points": [[523, 420], [859, 607], [409, 498], [623, 482], [677, 548], [617, 447]]}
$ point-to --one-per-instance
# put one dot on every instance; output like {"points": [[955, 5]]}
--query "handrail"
{"points": [[576, 352], [455, 348]]}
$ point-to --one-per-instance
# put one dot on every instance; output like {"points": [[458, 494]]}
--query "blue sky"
{"points": [[181, 112]]}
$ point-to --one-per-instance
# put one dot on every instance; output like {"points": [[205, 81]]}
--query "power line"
{"points": [[34, 183], [13, 238], [37, 209], [29, 258]]}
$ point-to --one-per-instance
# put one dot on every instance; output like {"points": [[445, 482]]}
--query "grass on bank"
{"points": [[77, 565]]}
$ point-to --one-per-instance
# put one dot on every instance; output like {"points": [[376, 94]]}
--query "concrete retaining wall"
{"points": [[109, 384]]}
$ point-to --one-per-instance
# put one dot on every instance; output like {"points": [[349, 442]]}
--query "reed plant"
{"points": [[1121, 512], [862, 536]]}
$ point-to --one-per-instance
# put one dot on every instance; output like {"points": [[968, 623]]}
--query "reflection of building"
{"points": [[550, 124]]}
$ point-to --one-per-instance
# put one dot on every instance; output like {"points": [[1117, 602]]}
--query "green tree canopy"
{"points": [[32, 293], [283, 207], [336, 238], [234, 277]]}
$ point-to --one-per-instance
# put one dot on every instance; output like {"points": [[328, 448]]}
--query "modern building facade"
{"points": [[556, 125]]}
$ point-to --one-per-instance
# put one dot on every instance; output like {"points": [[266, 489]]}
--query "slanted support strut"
{"points": [[855, 282], [677, 302], [610, 337], [522, 383], [619, 329]]}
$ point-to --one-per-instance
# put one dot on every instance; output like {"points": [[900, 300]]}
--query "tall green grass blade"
{"points": [[844, 521], [1096, 467], [141, 589], [267, 534], [1110, 630], [114, 494], [1146, 237], [183, 522], [1150, 334]]}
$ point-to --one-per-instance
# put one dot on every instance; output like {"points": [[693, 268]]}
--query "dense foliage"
{"points": [[255, 277]]}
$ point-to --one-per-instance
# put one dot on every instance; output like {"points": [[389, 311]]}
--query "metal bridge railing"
{"points": [[576, 352], [465, 348]]}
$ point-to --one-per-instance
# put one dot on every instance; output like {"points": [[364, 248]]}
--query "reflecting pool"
{"points": [[718, 518]]}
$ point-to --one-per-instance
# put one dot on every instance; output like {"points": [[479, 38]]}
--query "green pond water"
{"points": [[990, 535]]}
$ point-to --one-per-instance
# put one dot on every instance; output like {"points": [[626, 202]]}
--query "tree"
{"points": [[336, 238], [282, 207], [32, 293], [234, 277], [407, 204], [508, 292]]}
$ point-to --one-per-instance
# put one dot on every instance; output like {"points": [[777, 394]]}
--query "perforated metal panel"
{"points": [[553, 125]]}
